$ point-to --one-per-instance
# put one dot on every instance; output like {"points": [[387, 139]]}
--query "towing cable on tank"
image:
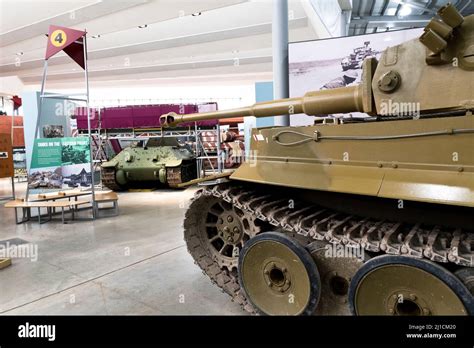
{"points": [[316, 136]]}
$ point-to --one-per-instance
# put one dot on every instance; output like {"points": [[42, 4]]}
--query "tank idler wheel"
{"points": [[278, 275], [400, 285]]}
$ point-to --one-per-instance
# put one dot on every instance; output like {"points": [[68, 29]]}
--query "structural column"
{"points": [[280, 55]]}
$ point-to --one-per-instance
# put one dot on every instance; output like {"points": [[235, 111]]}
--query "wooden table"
{"points": [[58, 195], [53, 201]]}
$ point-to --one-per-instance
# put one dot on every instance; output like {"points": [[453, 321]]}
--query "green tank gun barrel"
{"points": [[338, 100]]}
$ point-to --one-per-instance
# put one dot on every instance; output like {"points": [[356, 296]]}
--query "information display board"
{"points": [[59, 164], [6, 156]]}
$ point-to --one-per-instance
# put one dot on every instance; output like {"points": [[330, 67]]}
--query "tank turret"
{"points": [[434, 72]]}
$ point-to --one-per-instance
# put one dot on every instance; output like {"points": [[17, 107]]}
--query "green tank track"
{"points": [[178, 175], [107, 176]]}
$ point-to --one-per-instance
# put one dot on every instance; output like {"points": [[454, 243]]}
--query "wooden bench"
{"points": [[26, 208], [107, 197], [56, 201]]}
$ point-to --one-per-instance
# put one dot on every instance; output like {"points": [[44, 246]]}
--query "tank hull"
{"points": [[149, 167], [436, 168]]}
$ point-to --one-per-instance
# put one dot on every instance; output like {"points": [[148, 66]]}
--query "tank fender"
{"points": [[110, 164], [173, 163]]}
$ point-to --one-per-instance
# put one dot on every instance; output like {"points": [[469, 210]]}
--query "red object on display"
{"points": [[137, 116], [16, 102], [6, 128], [81, 116]]}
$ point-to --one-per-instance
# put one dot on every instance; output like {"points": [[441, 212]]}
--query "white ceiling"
{"points": [[230, 39]]}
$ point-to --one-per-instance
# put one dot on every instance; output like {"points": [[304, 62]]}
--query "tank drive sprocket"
{"points": [[215, 232]]}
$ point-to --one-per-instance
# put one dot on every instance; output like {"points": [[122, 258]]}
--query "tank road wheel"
{"points": [[398, 285], [279, 276], [336, 273]]}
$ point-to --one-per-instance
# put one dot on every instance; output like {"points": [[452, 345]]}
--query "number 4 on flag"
{"points": [[68, 40]]}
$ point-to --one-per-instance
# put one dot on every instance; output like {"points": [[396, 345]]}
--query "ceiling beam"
{"points": [[69, 18], [159, 68], [198, 38]]}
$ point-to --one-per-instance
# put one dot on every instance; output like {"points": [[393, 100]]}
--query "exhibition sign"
{"points": [[59, 164], [68, 40], [6, 156], [336, 62]]}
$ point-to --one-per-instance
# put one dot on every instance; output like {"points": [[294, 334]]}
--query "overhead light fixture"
{"points": [[19, 53], [95, 36], [195, 14], [143, 26], [405, 11]]}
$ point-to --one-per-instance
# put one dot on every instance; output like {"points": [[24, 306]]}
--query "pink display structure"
{"points": [[139, 116]]}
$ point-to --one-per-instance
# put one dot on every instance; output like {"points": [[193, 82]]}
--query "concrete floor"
{"points": [[135, 263]]}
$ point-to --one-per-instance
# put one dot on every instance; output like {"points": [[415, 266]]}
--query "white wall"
{"points": [[227, 96]]}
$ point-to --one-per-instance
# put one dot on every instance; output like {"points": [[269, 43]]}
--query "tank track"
{"points": [[178, 175], [107, 176], [320, 224]]}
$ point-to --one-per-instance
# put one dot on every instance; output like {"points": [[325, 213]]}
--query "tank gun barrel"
{"points": [[338, 100]]}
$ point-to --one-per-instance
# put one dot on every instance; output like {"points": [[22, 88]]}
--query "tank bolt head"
{"points": [[412, 297], [391, 311], [282, 290], [226, 229], [380, 165], [221, 221], [394, 165], [389, 81], [270, 284], [230, 218], [284, 270], [266, 272], [460, 169], [236, 229], [426, 311]]}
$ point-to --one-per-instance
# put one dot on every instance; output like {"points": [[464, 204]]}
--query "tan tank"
{"points": [[368, 216]]}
